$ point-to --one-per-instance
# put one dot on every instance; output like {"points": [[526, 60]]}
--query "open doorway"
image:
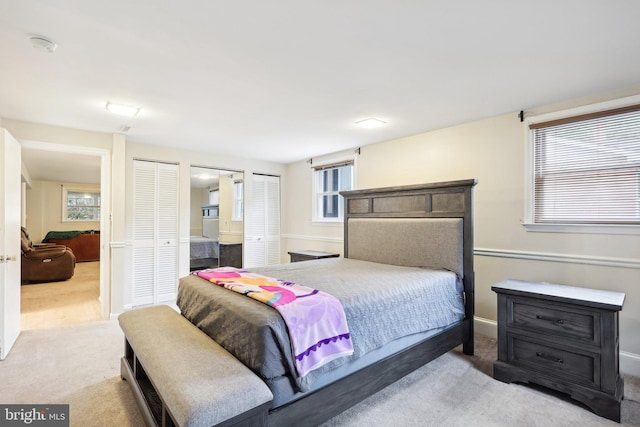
{"points": [[66, 202]]}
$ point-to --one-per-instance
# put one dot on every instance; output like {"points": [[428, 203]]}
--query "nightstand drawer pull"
{"points": [[549, 357], [550, 319]]}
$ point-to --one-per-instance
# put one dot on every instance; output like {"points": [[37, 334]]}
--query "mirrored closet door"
{"points": [[217, 212]]}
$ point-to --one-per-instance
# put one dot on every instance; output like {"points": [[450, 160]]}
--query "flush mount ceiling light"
{"points": [[122, 110], [43, 44], [371, 123]]}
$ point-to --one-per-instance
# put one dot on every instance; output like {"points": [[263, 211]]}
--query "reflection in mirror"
{"points": [[217, 206]]}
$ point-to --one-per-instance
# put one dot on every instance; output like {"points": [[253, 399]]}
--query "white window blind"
{"points": [[587, 168]]}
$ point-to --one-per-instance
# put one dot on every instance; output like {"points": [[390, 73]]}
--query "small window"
{"points": [[80, 204], [237, 201], [329, 181], [586, 169]]}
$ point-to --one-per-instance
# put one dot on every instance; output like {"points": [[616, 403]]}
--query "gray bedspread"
{"points": [[204, 247], [382, 303]]}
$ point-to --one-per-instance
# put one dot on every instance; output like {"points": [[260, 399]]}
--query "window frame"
{"points": [[528, 223], [66, 189], [324, 165], [237, 209]]}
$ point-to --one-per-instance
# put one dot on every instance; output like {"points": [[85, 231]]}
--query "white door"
{"points": [[262, 242], [10, 160], [272, 220], [255, 246], [155, 231]]}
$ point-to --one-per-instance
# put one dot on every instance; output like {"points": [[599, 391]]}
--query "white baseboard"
{"points": [[485, 327], [629, 362]]}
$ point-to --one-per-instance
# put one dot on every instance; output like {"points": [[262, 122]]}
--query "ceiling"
{"points": [[286, 80], [61, 167]]}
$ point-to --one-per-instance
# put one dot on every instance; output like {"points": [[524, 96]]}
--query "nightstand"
{"points": [[561, 337], [230, 255], [308, 255]]}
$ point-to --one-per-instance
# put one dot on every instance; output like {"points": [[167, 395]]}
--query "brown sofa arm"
{"points": [[48, 253], [40, 246]]}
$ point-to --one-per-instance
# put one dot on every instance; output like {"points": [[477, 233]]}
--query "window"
{"points": [[237, 213], [80, 204], [329, 181], [586, 168]]}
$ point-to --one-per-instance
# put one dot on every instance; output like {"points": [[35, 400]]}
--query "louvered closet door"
{"points": [[255, 249], [262, 242], [155, 230], [272, 220]]}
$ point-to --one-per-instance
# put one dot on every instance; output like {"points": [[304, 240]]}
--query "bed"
{"points": [[417, 241], [204, 252]]}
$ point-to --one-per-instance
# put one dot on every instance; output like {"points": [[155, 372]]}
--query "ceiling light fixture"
{"points": [[43, 44], [122, 110], [371, 123]]}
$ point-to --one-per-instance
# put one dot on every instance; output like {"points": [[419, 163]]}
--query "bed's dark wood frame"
{"points": [[438, 200]]}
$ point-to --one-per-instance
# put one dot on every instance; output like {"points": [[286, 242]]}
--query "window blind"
{"points": [[587, 168]]}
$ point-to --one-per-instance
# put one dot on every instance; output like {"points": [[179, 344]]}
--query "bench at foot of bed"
{"points": [[181, 377]]}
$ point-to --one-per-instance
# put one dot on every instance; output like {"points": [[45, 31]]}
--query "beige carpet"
{"points": [[55, 304], [79, 365]]}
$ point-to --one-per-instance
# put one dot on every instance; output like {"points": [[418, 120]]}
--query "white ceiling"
{"points": [[62, 167], [286, 80]]}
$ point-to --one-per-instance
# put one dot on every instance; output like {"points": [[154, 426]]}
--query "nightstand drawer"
{"points": [[574, 366], [561, 321]]}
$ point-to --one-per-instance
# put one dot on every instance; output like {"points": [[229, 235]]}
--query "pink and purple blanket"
{"points": [[316, 321]]}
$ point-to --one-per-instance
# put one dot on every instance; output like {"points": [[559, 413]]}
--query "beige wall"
{"points": [[44, 209], [57, 135], [199, 197], [230, 231], [298, 230], [493, 152]]}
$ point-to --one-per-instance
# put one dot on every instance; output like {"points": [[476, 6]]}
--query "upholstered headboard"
{"points": [[412, 242], [427, 225]]}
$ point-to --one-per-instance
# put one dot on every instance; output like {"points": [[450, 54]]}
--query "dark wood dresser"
{"points": [[562, 337], [297, 256], [230, 255]]}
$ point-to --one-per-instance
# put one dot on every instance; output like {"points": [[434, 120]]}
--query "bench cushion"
{"points": [[200, 382]]}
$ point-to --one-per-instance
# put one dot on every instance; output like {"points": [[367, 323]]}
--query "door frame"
{"points": [[105, 209], [10, 245]]}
